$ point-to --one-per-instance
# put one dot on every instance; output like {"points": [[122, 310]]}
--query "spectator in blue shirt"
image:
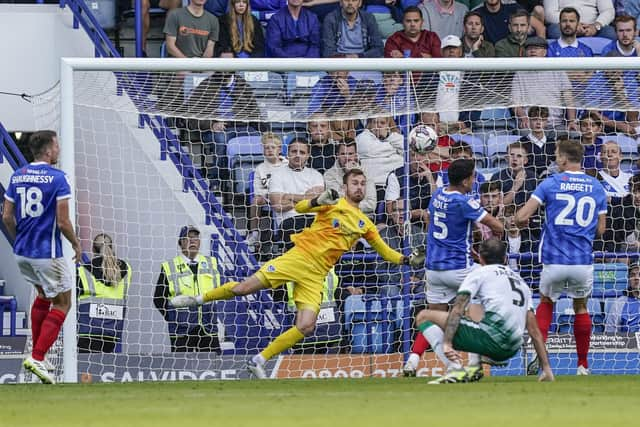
{"points": [[293, 32], [568, 45], [590, 129], [624, 315], [625, 43], [331, 92], [351, 32]]}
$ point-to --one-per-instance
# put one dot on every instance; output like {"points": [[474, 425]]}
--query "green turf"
{"points": [[570, 401]]}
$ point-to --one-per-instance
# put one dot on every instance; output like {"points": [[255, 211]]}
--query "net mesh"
{"points": [[158, 151]]}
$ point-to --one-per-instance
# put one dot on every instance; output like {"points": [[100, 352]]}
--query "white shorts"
{"points": [[442, 285], [52, 275], [574, 280]]}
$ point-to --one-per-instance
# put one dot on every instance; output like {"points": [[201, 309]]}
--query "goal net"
{"points": [[161, 156]]}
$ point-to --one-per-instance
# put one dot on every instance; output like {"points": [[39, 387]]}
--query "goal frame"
{"points": [[69, 65]]}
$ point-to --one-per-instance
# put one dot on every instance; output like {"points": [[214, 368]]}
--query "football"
{"points": [[422, 139]]}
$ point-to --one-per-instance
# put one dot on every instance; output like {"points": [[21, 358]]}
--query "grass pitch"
{"points": [[497, 401]]}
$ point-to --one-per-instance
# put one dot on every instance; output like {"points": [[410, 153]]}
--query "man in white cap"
{"points": [[449, 83]]}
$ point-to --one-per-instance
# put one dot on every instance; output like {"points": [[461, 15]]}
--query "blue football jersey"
{"points": [[573, 201], [450, 226], [35, 190]]}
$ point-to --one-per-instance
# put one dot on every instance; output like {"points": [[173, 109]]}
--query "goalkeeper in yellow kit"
{"points": [[338, 225]]}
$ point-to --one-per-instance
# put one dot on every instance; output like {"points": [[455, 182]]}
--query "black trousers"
{"points": [[196, 341]]}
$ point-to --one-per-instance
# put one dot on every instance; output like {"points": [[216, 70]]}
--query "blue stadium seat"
{"points": [[497, 148], [244, 153], [597, 44], [609, 280], [495, 118]]}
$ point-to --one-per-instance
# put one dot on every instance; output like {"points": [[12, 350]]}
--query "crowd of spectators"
{"points": [[354, 122]]}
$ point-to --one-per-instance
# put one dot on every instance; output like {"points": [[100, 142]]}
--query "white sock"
{"points": [[258, 359], [474, 359], [435, 335], [413, 360]]}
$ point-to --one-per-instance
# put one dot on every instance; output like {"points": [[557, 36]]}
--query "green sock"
{"points": [[223, 292], [282, 342]]}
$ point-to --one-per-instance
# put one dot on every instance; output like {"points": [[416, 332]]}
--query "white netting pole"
{"points": [[67, 164]]}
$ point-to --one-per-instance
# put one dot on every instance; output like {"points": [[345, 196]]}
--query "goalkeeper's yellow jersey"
{"points": [[335, 230]]}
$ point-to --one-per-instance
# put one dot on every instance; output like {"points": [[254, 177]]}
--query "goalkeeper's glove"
{"points": [[416, 259], [327, 197]]}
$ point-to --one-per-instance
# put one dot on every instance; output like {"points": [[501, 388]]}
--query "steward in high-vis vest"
{"points": [[102, 288], [190, 273], [328, 332]]}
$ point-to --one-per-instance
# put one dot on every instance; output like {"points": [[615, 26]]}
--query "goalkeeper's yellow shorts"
{"points": [[293, 267]]}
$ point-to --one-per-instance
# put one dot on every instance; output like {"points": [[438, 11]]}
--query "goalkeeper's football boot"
{"points": [[533, 367], [408, 370], [474, 372], [452, 377], [39, 370], [256, 369], [180, 301]]}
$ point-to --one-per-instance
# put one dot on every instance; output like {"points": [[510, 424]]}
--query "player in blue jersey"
{"points": [[452, 213], [575, 210], [36, 210]]}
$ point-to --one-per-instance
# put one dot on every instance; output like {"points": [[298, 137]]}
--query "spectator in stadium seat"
{"points": [[412, 41], [391, 95], [443, 17], [449, 83], [228, 108], [351, 32], [473, 42], [513, 44], [331, 92], [347, 159], [380, 147], [495, 15], [271, 149], [388, 15], [191, 32], [625, 43], [543, 88], [323, 148], [293, 32], [614, 180], [595, 17], [590, 130], [568, 45], [535, 9], [104, 280], [241, 34], [518, 181], [291, 184], [539, 143], [192, 329], [624, 315]]}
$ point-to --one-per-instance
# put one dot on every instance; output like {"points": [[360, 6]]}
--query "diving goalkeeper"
{"points": [[338, 225]]}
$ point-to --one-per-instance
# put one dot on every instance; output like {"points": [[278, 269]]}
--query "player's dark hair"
{"points": [[593, 116], [300, 140], [460, 170], [624, 18], [39, 141], [352, 172], [518, 144], [493, 251], [469, 15], [570, 10], [573, 150]]}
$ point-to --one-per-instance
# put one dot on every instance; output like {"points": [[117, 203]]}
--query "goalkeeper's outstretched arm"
{"points": [[416, 259]]}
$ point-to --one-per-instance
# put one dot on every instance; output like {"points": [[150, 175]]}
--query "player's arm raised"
{"points": [[524, 213], [538, 344], [8, 218], [64, 223], [496, 226]]}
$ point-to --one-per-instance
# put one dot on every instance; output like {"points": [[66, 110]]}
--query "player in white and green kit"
{"points": [[493, 328]]}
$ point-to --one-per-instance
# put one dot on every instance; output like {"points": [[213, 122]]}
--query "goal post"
{"points": [[111, 130]]}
